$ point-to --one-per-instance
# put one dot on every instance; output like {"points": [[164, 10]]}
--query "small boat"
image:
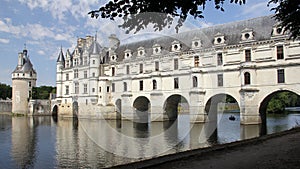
{"points": [[232, 118]]}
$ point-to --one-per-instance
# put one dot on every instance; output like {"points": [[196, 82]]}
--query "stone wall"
{"points": [[5, 106], [39, 107]]}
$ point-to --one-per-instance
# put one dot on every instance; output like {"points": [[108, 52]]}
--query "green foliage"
{"points": [[282, 100], [139, 14], [288, 12], [42, 92], [5, 91]]}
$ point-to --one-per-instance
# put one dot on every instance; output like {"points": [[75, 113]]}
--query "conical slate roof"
{"points": [[61, 57]]}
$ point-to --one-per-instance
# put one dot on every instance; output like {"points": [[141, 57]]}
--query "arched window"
{"points": [[125, 86], [154, 84], [195, 81], [247, 78]]}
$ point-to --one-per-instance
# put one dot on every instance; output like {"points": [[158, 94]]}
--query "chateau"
{"points": [[148, 80]]}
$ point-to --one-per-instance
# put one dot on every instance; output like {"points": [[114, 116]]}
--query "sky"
{"points": [[47, 25]]}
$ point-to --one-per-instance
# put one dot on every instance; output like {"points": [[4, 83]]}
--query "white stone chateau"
{"points": [[249, 60]]}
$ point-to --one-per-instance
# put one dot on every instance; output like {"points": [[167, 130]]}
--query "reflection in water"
{"points": [[44, 142]]}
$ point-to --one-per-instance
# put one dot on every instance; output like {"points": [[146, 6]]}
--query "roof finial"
{"points": [[96, 36], [24, 46]]}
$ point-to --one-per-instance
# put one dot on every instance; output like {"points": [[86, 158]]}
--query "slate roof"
{"points": [[261, 26]]}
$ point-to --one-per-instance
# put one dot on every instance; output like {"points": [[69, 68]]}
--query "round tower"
{"points": [[23, 80]]}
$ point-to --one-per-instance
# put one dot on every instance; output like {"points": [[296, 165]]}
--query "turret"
{"points": [[23, 79], [59, 68], [114, 42]]}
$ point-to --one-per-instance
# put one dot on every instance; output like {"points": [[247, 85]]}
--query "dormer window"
{"points": [[176, 46], [141, 51], [156, 49], [247, 34], [277, 30], [196, 43], [219, 39], [113, 57], [128, 53]]}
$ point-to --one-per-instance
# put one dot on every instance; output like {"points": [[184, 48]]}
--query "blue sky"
{"points": [[45, 25]]}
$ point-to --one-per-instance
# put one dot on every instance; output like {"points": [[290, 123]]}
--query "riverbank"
{"points": [[278, 150]]}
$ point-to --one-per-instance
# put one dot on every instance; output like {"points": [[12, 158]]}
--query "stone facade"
{"points": [[248, 60]]}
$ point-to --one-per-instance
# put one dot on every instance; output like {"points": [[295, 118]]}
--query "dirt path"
{"points": [[281, 150]]}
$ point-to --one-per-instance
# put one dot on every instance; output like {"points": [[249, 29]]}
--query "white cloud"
{"points": [[254, 9], [4, 40], [41, 52]]}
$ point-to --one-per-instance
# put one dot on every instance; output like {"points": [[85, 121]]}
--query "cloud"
{"points": [[254, 9], [41, 52], [4, 40], [60, 8]]}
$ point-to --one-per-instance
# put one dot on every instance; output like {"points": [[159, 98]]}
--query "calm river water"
{"points": [[44, 142]]}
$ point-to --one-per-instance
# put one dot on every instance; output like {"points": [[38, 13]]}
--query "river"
{"points": [[45, 142]]}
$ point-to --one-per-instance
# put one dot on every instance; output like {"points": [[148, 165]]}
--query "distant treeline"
{"points": [[5, 91], [282, 100], [42, 92]]}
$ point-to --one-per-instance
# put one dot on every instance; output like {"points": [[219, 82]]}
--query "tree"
{"points": [[288, 13], [281, 100], [5, 91], [162, 12], [42, 92]]}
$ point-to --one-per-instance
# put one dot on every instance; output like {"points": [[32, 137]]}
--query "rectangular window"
{"points": [[141, 68], [76, 73], [29, 84], [76, 88], [112, 87], [93, 74], [196, 61], [94, 62], [280, 76], [141, 85], [93, 90], [67, 90], [85, 74], [280, 52], [107, 89], [175, 64], [113, 71], [127, 69], [156, 66], [84, 88], [67, 76], [248, 55], [220, 59], [220, 79], [125, 86], [176, 83]]}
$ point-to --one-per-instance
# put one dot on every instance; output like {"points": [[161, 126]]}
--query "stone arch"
{"points": [[173, 105], [55, 110], [264, 103], [142, 110], [119, 108], [211, 105]]}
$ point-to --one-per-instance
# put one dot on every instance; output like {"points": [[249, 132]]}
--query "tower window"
{"points": [[29, 84], [85, 74], [84, 88], [195, 81], [93, 90], [127, 69], [280, 52], [76, 88], [248, 55], [141, 68], [220, 59], [196, 61], [220, 79], [67, 76], [125, 86], [113, 71], [141, 85], [175, 64], [76, 73], [280, 76], [156, 66], [113, 87], [154, 83], [107, 89], [247, 78], [67, 90], [176, 83]]}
